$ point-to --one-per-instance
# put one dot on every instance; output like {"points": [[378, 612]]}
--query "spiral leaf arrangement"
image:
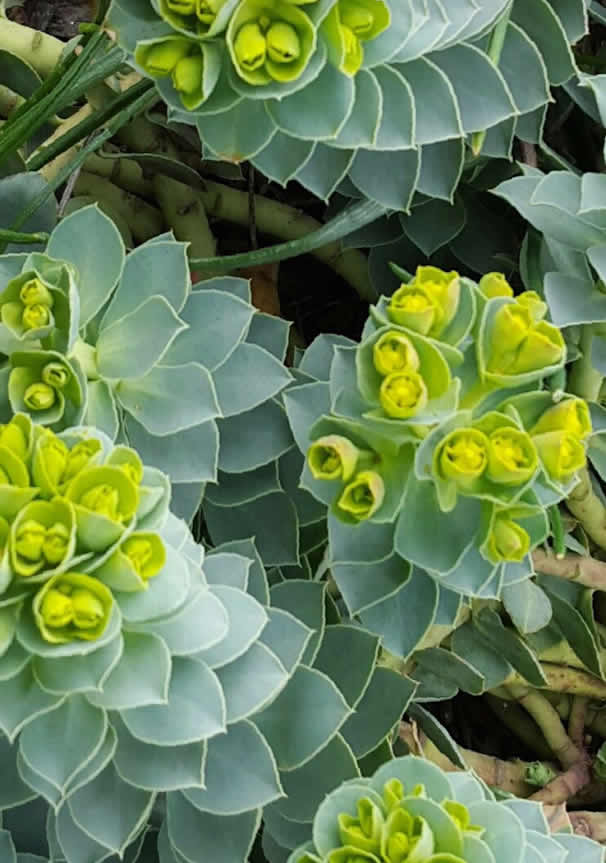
{"points": [[377, 93]]}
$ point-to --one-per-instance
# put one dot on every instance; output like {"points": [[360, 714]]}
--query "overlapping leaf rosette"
{"points": [[410, 810], [123, 343], [380, 92], [436, 443], [161, 683]]}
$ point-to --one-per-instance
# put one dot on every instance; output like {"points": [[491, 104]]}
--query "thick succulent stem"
{"points": [[561, 678], [287, 223], [144, 220], [126, 173], [583, 570], [181, 206], [587, 507], [40, 50], [51, 169], [583, 380], [548, 720]]}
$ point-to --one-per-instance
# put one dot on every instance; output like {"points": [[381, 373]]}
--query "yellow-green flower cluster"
{"points": [[403, 392], [431, 357], [428, 303], [334, 457], [520, 340], [267, 41], [69, 508], [559, 437], [505, 456]]}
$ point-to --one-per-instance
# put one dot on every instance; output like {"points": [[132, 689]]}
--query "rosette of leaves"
{"points": [[128, 346], [411, 810], [155, 671], [380, 92], [443, 497]]}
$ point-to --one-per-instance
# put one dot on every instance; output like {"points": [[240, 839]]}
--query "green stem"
{"points": [[495, 49], [144, 101], [583, 380], [520, 723], [143, 220], [588, 508], [47, 153], [557, 530], [17, 237], [350, 220], [565, 679], [548, 720], [573, 567], [181, 206]]}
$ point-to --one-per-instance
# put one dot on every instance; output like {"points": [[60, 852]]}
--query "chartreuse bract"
{"points": [[111, 340], [382, 93], [437, 447], [410, 810]]}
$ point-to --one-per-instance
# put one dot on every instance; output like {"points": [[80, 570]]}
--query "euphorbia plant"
{"points": [[87, 356], [440, 422], [410, 811]]}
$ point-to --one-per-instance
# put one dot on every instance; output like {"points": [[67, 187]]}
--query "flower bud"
{"points": [[250, 47], [510, 328], [413, 308], [160, 59], [544, 346], [105, 491], [363, 496], [406, 838], [333, 457], [187, 74], [508, 542], [393, 792], [39, 397], [33, 293], [36, 316], [533, 302], [561, 453], [56, 543], [88, 609], [146, 554], [182, 7], [403, 394], [463, 456], [57, 609], [571, 415], [72, 606], [512, 457], [355, 16], [102, 499], [29, 541], [283, 43], [394, 352], [206, 10], [79, 456], [444, 289], [495, 285], [460, 815], [14, 438], [52, 455], [56, 375], [363, 831]]}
